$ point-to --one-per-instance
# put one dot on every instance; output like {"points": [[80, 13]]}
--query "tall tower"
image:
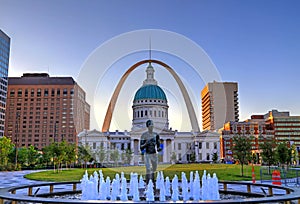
{"points": [[219, 104], [4, 63], [150, 102]]}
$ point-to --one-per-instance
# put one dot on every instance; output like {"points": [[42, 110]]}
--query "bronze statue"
{"points": [[151, 144]]}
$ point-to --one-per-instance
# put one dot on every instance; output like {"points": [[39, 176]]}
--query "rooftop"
{"points": [[40, 79]]}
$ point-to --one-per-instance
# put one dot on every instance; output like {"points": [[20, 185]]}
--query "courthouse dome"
{"points": [[150, 92]]}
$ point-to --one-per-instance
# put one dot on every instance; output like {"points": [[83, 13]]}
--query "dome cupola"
{"points": [[150, 102]]}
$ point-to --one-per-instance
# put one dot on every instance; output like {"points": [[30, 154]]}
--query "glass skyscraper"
{"points": [[4, 62]]}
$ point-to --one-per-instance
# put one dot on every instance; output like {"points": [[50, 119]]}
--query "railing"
{"points": [[10, 194], [289, 177]]}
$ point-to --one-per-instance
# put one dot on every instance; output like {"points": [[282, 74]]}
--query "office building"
{"points": [[42, 109], [219, 104], [4, 63], [285, 126]]}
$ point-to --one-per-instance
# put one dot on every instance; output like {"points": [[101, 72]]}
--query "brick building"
{"points": [[254, 128], [41, 109], [274, 125]]}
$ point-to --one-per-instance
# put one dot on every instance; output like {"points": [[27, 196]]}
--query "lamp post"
{"points": [[17, 138]]}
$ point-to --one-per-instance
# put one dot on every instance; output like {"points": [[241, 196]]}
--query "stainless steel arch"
{"points": [[187, 100]]}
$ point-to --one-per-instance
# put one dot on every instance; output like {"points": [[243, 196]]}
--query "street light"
{"points": [[17, 138]]}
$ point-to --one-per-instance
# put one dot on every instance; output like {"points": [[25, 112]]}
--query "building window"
{"points": [[179, 146], [46, 92], [58, 92], [200, 145], [65, 92], [39, 92], [200, 156], [19, 92], [141, 114], [52, 92], [215, 145], [207, 145], [94, 145], [12, 93], [26, 92], [207, 156], [32, 93]]}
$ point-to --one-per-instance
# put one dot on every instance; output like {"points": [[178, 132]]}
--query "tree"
{"points": [[22, 156], [253, 158], [215, 157], [70, 156], [101, 154], [47, 155], [294, 153], [267, 153], [6, 146], [84, 154], [114, 155], [56, 152], [32, 156], [128, 155], [282, 153], [241, 150], [173, 157]]}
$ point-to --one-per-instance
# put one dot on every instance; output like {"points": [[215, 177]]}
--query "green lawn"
{"points": [[230, 172]]}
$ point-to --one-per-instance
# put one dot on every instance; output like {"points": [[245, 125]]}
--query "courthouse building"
{"points": [[42, 109], [150, 102]]}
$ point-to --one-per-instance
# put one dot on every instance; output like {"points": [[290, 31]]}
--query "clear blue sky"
{"points": [[255, 43]]}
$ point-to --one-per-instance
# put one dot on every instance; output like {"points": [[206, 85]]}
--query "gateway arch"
{"points": [[187, 100]]}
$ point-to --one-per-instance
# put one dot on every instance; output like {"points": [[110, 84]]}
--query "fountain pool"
{"points": [[96, 187]]}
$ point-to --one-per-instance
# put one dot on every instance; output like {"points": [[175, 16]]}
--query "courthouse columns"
{"points": [[165, 151]]}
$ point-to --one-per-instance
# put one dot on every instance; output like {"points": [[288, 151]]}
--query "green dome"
{"points": [[150, 92]]}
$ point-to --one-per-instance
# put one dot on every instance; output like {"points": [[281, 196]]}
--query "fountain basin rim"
{"points": [[6, 194]]}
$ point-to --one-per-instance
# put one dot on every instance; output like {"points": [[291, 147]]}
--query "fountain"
{"points": [[119, 189], [175, 191], [94, 188]]}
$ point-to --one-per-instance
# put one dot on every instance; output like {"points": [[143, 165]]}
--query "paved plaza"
{"points": [[15, 178]]}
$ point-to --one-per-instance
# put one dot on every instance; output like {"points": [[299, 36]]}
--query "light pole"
{"points": [[85, 145], [17, 138], [55, 129], [85, 137]]}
